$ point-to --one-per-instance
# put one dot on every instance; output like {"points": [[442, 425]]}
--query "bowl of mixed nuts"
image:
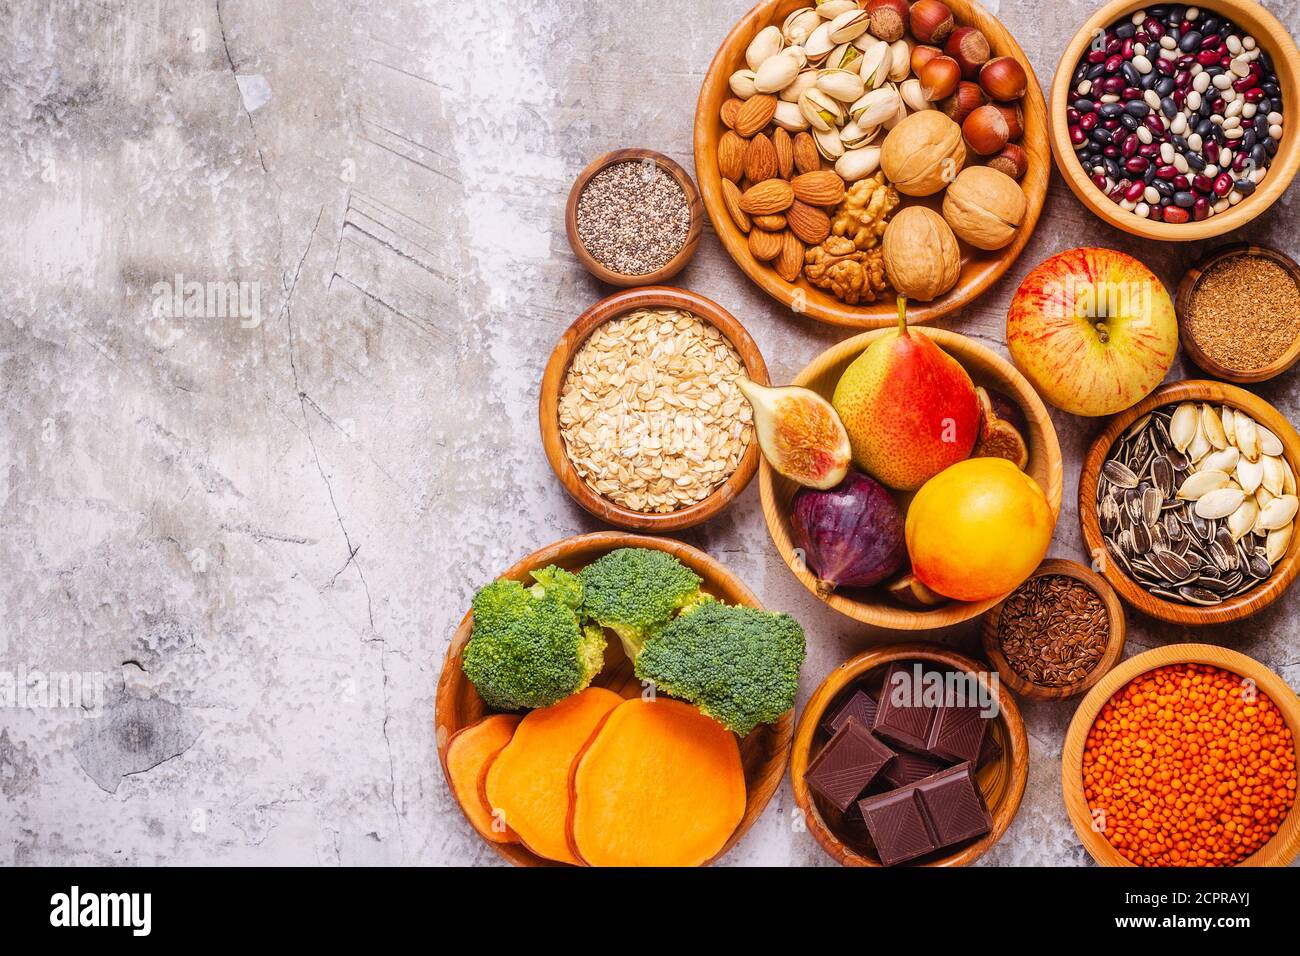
{"points": [[1188, 503], [847, 151], [642, 417]]}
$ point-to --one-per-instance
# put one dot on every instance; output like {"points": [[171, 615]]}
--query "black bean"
{"points": [[1169, 107], [1110, 110], [1189, 41], [1164, 86], [1101, 135], [1149, 80], [1248, 140], [1244, 186], [1186, 199], [1137, 108], [1096, 70], [1130, 123], [1126, 30], [1270, 146], [1258, 154], [1204, 129], [1271, 89], [1164, 187], [1194, 160], [1084, 105], [1149, 175], [1265, 61], [1131, 75], [1113, 169], [1209, 25]]}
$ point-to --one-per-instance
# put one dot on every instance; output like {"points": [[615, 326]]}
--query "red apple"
{"points": [[1093, 330]]}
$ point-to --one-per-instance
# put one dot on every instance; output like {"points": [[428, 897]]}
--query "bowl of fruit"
{"points": [[849, 150], [911, 478]]}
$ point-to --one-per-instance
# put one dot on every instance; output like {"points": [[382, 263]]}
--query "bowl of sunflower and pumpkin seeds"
{"points": [[1188, 503]]}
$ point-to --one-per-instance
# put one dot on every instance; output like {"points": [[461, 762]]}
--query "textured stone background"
{"points": [[260, 538]]}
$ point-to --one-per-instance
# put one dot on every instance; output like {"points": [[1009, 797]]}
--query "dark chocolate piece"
{"points": [[957, 733], [948, 731], [939, 811], [849, 761], [908, 768], [860, 705], [990, 750]]}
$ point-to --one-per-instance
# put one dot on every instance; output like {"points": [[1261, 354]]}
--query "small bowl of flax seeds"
{"points": [[1057, 634], [1239, 313], [634, 218]]}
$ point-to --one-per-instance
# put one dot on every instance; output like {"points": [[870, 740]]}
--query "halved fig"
{"points": [[998, 437], [799, 433]]}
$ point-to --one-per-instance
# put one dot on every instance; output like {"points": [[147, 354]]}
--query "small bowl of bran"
{"points": [[1239, 313]]}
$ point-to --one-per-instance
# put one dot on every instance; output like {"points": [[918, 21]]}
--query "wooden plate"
{"points": [[1234, 609], [457, 704], [873, 606], [557, 454], [979, 269], [1183, 305], [677, 262], [1272, 36], [1280, 850], [1002, 781], [1114, 640]]}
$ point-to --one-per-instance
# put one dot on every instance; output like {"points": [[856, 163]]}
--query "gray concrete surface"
{"points": [[253, 534]]}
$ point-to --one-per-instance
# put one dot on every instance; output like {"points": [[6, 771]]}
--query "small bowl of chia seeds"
{"points": [[634, 217], [1170, 120]]}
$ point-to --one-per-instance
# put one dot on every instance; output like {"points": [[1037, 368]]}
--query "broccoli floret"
{"points": [[636, 591], [528, 647], [737, 664]]}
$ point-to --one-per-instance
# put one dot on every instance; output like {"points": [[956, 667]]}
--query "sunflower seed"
{"points": [[1119, 474]]}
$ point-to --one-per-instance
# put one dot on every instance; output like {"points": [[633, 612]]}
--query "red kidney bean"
{"points": [[1088, 121], [1203, 184], [1201, 209], [1222, 184], [1175, 214], [1166, 172], [1135, 191]]}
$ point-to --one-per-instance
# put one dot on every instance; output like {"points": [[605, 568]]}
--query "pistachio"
{"points": [[900, 61], [800, 24], [900, 114], [764, 46], [776, 73], [828, 143], [849, 25], [846, 56], [854, 136], [789, 117], [830, 9], [821, 111], [819, 44], [804, 82], [910, 91], [798, 53], [875, 63], [858, 163], [844, 85], [875, 107], [742, 84]]}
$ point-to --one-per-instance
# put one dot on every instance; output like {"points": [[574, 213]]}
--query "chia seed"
{"points": [[633, 217]]}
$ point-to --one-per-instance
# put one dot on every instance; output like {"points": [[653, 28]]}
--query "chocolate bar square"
{"points": [[957, 733], [954, 805], [908, 768], [950, 731], [898, 826], [902, 721], [847, 764], [859, 705]]}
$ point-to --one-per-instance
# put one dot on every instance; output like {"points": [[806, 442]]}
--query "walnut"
{"points": [[861, 216], [851, 274]]}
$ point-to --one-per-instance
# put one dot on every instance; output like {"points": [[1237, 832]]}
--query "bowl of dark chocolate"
{"points": [[1142, 109], [940, 781]]}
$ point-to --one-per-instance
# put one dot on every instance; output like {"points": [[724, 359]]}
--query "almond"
{"points": [[731, 156], [808, 223], [784, 153], [760, 159], [764, 245], [755, 113], [772, 223], [789, 261], [731, 199], [806, 157], [769, 196], [729, 110], [822, 187]]}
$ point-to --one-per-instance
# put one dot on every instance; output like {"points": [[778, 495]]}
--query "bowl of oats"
{"points": [[641, 413]]}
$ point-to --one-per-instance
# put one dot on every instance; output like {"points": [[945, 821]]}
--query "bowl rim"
{"points": [[1183, 301], [451, 680], [693, 203], [855, 668], [1284, 53], [952, 612], [707, 131], [1280, 850], [610, 307], [1234, 609], [1115, 636]]}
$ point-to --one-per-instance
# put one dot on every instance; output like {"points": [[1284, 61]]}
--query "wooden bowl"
{"points": [[1114, 641], [457, 704], [979, 269], [557, 366], [1002, 781], [874, 606], [1272, 37], [683, 255], [1183, 304], [1234, 609], [1280, 850]]}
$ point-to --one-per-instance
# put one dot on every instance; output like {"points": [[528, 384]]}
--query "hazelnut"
{"points": [[888, 19], [984, 207], [969, 48], [922, 259], [1015, 117], [923, 153], [966, 100], [931, 21], [986, 130], [921, 55], [1012, 161], [939, 78], [1003, 78]]}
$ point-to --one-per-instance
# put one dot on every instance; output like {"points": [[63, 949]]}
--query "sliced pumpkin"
{"points": [[469, 755]]}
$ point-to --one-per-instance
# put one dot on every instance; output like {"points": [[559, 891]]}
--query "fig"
{"points": [[911, 592], [998, 438], [851, 535], [800, 434]]}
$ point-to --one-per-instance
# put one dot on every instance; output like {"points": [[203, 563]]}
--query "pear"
{"points": [[799, 433], [909, 408]]}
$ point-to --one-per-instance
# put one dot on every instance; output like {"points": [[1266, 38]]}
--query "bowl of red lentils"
{"points": [[1185, 755]]}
